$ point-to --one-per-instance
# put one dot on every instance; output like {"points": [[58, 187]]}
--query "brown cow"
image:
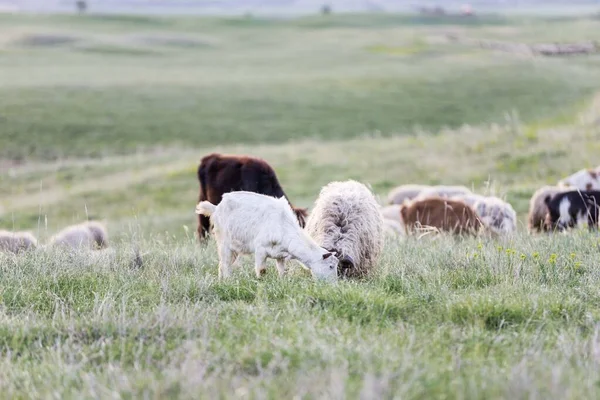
{"points": [[447, 215], [219, 174]]}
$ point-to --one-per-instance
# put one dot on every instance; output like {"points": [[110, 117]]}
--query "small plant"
{"points": [[81, 6], [326, 9]]}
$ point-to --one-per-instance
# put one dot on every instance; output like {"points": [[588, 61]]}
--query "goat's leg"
{"points": [[226, 258], [281, 266], [260, 260]]}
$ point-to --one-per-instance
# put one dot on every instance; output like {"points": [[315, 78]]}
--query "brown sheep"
{"points": [[446, 215], [219, 174]]}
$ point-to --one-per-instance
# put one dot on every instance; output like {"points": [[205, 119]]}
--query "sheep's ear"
{"points": [[327, 255]]}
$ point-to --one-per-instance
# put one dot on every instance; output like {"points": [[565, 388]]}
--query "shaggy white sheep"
{"points": [[88, 235], [247, 222], [17, 242], [346, 219], [405, 192]]}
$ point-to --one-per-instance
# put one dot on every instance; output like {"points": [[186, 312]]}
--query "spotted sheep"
{"points": [[567, 208], [536, 219], [251, 223], [497, 215], [584, 179]]}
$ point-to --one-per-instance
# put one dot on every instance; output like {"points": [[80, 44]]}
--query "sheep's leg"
{"points": [[226, 258], [281, 266], [260, 259]]}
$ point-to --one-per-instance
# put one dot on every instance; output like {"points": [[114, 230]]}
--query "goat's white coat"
{"points": [[16, 242], [347, 218], [246, 223], [88, 235]]}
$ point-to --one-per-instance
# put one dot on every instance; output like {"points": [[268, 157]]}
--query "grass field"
{"points": [[107, 117]]}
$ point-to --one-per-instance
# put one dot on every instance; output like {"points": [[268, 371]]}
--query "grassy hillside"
{"points": [[107, 117], [91, 87]]}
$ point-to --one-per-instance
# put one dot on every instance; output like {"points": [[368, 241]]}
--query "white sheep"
{"points": [[496, 214], [444, 192], [247, 222], [393, 228], [88, 235], [346, 219], [391, 212], [17, 242], [469, 198], [405, 192]]}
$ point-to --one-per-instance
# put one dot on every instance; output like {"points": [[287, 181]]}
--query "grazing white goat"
{"points": [[496, 214], [88, 235], [17, 242], [246, 223], [405, 192], [347, 220]]}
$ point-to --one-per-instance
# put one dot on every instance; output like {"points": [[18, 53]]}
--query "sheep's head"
{"points": [[345, 263]]}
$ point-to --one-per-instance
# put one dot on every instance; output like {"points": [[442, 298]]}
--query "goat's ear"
{"points": [[327, 255], [547, 200], [334, 252]]}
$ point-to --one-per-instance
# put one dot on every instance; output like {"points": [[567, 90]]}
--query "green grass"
{"points": [[438, 318], [107, 117]]}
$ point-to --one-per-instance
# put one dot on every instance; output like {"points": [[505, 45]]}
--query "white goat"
{"points": [[246, 222], [17, 242], [346, 219], [88, 235]]}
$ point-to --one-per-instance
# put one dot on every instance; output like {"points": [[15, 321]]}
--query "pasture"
{"points": [[107, 117]]}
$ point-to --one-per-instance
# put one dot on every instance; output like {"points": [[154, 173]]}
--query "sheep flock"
{"points": [[344, 234]]}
